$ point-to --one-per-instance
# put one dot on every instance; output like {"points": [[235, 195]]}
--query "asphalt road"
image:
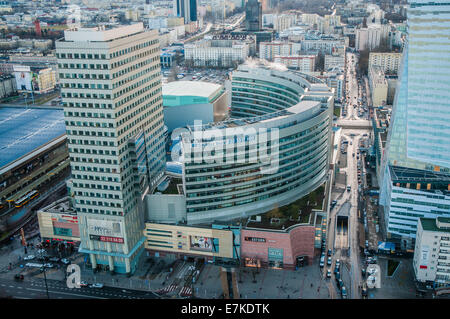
{"points": [[35, 289]]}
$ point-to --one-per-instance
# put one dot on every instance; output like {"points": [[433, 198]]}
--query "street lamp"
{"points": [[45, 275]]}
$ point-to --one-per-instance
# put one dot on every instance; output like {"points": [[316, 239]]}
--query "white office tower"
{"points": [[111, 92], [416, 180]]}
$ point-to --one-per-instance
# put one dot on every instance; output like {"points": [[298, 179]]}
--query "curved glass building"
{"points": [[275, 150]]}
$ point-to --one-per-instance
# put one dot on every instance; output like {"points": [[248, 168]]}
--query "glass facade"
{"points": [[420, 136]]}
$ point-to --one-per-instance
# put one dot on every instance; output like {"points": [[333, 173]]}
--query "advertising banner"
{"points": [[201, 243], [23, 76], [105, 228]]}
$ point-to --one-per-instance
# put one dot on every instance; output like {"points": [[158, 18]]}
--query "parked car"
{"points": [[364, 292], [49, 265], [340, 283], [96, 285], [83, 283], [344, 292], [29, 257], [330, 252], [54, 259], [65, 261], [322, 261], [337, 275], [338, 263], [18, 277]]}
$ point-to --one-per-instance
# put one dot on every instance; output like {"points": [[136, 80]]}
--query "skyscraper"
{"points": [[111, 92], [420, 135], [253, 15], [187, 9], [416, 180]]}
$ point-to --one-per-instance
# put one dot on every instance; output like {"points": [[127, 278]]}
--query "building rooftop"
{"points": [[24, 130], [101, 33], [431, 224], [61, 206], [185, 89]]}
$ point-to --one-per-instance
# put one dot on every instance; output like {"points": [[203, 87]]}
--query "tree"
{"points": [[320, 62]]}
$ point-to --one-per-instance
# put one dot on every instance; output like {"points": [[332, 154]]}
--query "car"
{"points": [[49, 265], [29, 257], [338, 263], [329, 261], [337, 275], [329, 273], [54, 259], [41, 251], [65, 261], [96, 285], [18, 277], [364, 292], [322, 261], [340, 283], [83, 283], [349, 188], [329, 252], [344, 292]]}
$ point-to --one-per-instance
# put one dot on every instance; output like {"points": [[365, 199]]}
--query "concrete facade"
{"points": [[277, 248]]}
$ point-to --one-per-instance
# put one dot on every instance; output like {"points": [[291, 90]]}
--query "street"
{"points": [[344, 224], [36, 289]]}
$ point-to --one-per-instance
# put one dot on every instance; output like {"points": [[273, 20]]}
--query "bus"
{"points": [[27, 198]]}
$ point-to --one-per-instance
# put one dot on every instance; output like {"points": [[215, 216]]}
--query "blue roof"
{"points": [[174, 167], [24, 130]]}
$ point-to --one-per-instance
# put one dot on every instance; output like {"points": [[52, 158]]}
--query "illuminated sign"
{"points": [[106, 239]]}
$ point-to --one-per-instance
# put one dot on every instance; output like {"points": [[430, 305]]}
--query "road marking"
{"points": [[65, 293]]}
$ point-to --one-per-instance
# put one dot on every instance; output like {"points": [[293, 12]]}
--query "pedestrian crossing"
{"points": [[186, 292], [167, 289]]}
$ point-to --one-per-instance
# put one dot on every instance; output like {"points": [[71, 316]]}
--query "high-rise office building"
{"points": [[417, 159], [187, 9], [253, 15], [111, 92]]}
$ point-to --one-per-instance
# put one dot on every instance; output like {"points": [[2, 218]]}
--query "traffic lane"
{"points": [[60, 289]]}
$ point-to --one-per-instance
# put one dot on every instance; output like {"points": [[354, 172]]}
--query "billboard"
{"points": [[23, 77], [105, 229], [201, 243]]}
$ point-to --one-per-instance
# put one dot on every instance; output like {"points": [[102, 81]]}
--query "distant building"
{"points": [[334, 61], [302, 63], [268, 50], [7, 85], [378, 86], [389, 62], [253, 15], [220, 52], [187, 9], [369, 38], [431, 261]]}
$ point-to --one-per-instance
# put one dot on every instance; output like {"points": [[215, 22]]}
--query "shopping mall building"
{"points": [[274, 150]]}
